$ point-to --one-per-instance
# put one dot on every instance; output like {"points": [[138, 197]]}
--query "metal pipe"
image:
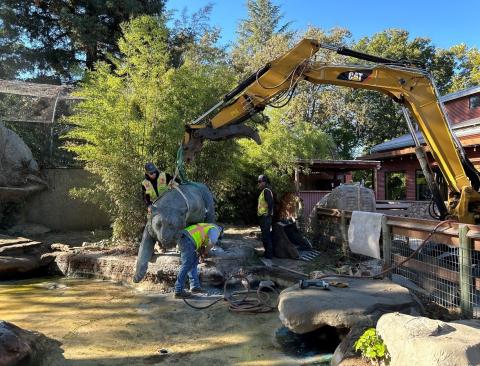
{"points": [[207, 113], [357, 54], [426, 169], [410, 126]]}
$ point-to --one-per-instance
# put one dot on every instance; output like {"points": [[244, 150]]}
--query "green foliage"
{"points": [[260, 36], [380, 118], [55, 40], [396, 185], [371, 346], [468, 67], [284, 141], [137, 113]]}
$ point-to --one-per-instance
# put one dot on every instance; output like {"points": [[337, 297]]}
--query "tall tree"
{"points": [[381, 118], [255, 34], [57, 39], [136, 112], [467, 67]]}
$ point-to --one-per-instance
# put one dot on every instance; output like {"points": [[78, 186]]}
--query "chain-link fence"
{"points": [[445, 271]]}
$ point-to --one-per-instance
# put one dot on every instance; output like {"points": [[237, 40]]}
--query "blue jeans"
{"points": [[189, 259]]}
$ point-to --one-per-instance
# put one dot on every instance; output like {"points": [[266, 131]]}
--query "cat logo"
{"points": [[357, 75]]}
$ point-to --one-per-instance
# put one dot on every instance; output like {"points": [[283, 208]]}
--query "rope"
{"points": [[184, 197], [246, 300]]}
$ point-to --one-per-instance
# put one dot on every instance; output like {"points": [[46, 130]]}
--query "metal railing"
{"points": [[446, 271]]}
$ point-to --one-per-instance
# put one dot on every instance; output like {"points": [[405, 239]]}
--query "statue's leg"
{"points": [[145, 252], [209, 205]]}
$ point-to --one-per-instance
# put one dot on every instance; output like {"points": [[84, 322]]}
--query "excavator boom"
{"points": [[408, 85]]}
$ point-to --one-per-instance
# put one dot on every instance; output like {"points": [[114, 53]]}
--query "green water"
{"points": [[102, 323]]}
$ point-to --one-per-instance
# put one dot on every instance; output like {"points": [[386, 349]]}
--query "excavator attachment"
{"points": [[193, 138]]}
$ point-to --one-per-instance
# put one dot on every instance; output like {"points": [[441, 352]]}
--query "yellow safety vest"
{"points": [[161, 186], [199, 233], [262, 209]]}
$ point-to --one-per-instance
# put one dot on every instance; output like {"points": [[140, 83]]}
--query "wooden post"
{"points": [[465, 261], [344, 233], [387, 245]]}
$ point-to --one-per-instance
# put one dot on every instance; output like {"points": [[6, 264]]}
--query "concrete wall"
{"points": [[55, 208]]}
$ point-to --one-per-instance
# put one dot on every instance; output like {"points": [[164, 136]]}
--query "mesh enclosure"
{"points": [[444, 273], [34, 112]]}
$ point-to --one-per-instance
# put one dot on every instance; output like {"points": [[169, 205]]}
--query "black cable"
{"points": [[243, 301]]}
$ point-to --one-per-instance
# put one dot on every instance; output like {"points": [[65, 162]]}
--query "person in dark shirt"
{"points": [[265, 214], [154, 184]]}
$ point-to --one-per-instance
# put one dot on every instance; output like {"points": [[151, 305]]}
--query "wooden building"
{"points": [[400, 176]]}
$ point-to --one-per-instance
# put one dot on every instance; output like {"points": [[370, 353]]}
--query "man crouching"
{"points": [[194, 243]]}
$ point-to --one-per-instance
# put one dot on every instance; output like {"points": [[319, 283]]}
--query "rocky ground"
{"points": [[137, 321]]}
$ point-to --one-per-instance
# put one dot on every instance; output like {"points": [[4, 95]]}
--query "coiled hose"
{"points": [[246, 300]]}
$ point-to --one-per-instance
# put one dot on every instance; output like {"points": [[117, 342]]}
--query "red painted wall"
{"points": [[409, 164], [458, 110]]}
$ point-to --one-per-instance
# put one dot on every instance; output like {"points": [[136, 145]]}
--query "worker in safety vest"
{"points": [[265, 213], [154, 184], [195, 242]]}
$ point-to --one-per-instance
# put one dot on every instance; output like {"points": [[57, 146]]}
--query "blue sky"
{"points": [[445, 22]]}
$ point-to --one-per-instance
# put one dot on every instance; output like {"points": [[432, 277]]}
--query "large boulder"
{"points": [[358, 305], [19, 347], [422, 341], [350, 197], [16, 159], [19, 256]]}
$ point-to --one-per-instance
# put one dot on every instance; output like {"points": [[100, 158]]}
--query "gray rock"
{"points": [[22, 347], [10, 266], [359, 305], [28, 229], [13, 349], [19, 249], [16, 159], [60, 247], [422, 341]]}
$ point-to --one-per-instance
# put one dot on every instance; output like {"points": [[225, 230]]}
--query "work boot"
{"points": [[197, 290], [182, 295]]}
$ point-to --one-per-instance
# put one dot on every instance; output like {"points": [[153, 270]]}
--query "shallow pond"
{"points": [[103, 323]]}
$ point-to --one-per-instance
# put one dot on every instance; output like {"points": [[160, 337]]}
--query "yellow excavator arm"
{"points": [[408, 85]]}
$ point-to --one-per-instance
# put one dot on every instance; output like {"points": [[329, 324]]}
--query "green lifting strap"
{"points": [[180, 167]]}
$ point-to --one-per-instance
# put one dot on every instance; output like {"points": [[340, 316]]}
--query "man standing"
{"points": [[265, 213], [154, 185], [196, 241]]}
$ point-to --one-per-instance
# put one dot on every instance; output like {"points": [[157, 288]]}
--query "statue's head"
{"points": [[168, 226]]}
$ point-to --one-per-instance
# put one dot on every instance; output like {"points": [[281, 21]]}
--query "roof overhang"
{"points": [[345, 165]]}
